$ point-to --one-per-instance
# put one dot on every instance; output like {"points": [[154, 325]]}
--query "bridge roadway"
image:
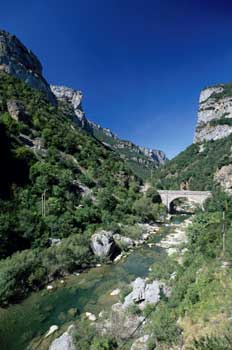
{"points": [[168, 197]]}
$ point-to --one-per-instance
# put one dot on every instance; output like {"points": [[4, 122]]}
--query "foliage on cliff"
{"points": [[85, 186], [196, 165]]}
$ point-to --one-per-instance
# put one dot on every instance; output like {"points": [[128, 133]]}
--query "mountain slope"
{"points": [[17, 60], [58, 185], [141, 160], [215, 113], [208, 161]]}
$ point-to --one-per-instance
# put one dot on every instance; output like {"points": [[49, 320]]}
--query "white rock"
{"points": [[64, 342], [140, 343], [55, 241], [119, 257], [49, 287], [144, 293], [90, 316], [101, 314], [19, 61], [74, 97], [103, 244], [51, 330], [125, 241], [115, 292], [173, 275]]}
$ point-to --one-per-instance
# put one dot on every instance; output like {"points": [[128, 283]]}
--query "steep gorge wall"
{"points": [[144, 157], [17, 60], [215, 113]]}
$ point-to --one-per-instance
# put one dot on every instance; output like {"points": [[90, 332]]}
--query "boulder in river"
{"points": [[51, 330], [145, 293], [123, 242], [103, 244], [115, 292], [120, 324], [90, 316], [64, 342]]}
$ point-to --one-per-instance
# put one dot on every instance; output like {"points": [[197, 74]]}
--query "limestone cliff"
{"points": [[215, 113], [17, 60], [71, 96], [141, 159]]}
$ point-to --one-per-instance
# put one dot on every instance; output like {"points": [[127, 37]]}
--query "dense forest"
{"points": [[196, 166], [60, 183], [57, 182]]}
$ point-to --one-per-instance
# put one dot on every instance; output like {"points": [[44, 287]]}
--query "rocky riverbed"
{"points": [[98, 295], [174, 242]]}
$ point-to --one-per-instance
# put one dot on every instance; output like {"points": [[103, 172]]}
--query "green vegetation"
{"points": [[213, 343], [221, 121], [195, 166], [72, 185], [86, 338], [65, 189], [196, 307], [136, 160], [227, 92]]}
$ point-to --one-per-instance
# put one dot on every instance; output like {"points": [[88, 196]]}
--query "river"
{"points": [[90, 291]]}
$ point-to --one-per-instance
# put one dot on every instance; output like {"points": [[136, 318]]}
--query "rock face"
{"points": [[17, 111], [72, 97], [215, 113], [120, 324], [103, 244], [154, 154], [17, 60], [123, 242], [224, 178], [143, 156], [144, 293], [64, 342], [141, 343]]}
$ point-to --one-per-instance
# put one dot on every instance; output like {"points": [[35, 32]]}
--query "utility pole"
{"points": [[223, 234]]}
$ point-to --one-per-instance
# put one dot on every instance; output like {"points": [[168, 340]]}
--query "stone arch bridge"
{"points": [[168, 197]]}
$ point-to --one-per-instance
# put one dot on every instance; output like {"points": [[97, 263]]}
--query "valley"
{"points": [[88, 292], [105, 244]]}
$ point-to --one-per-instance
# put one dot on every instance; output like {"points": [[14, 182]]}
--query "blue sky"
{"points": [[140, 64]]}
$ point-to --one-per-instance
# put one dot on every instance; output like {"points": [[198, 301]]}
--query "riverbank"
{"points": [[91, 292], [127, 321]]}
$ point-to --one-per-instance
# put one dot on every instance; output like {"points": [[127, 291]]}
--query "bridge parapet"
{"points": [[184, 192], [168, 196]]}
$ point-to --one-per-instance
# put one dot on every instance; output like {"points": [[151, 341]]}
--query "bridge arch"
{"points": [[168, 197]]}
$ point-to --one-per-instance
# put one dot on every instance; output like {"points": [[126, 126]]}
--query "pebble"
{"points": [[118, 257]]}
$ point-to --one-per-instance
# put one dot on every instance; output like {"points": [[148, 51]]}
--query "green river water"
{"points": [[90, 291]]}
